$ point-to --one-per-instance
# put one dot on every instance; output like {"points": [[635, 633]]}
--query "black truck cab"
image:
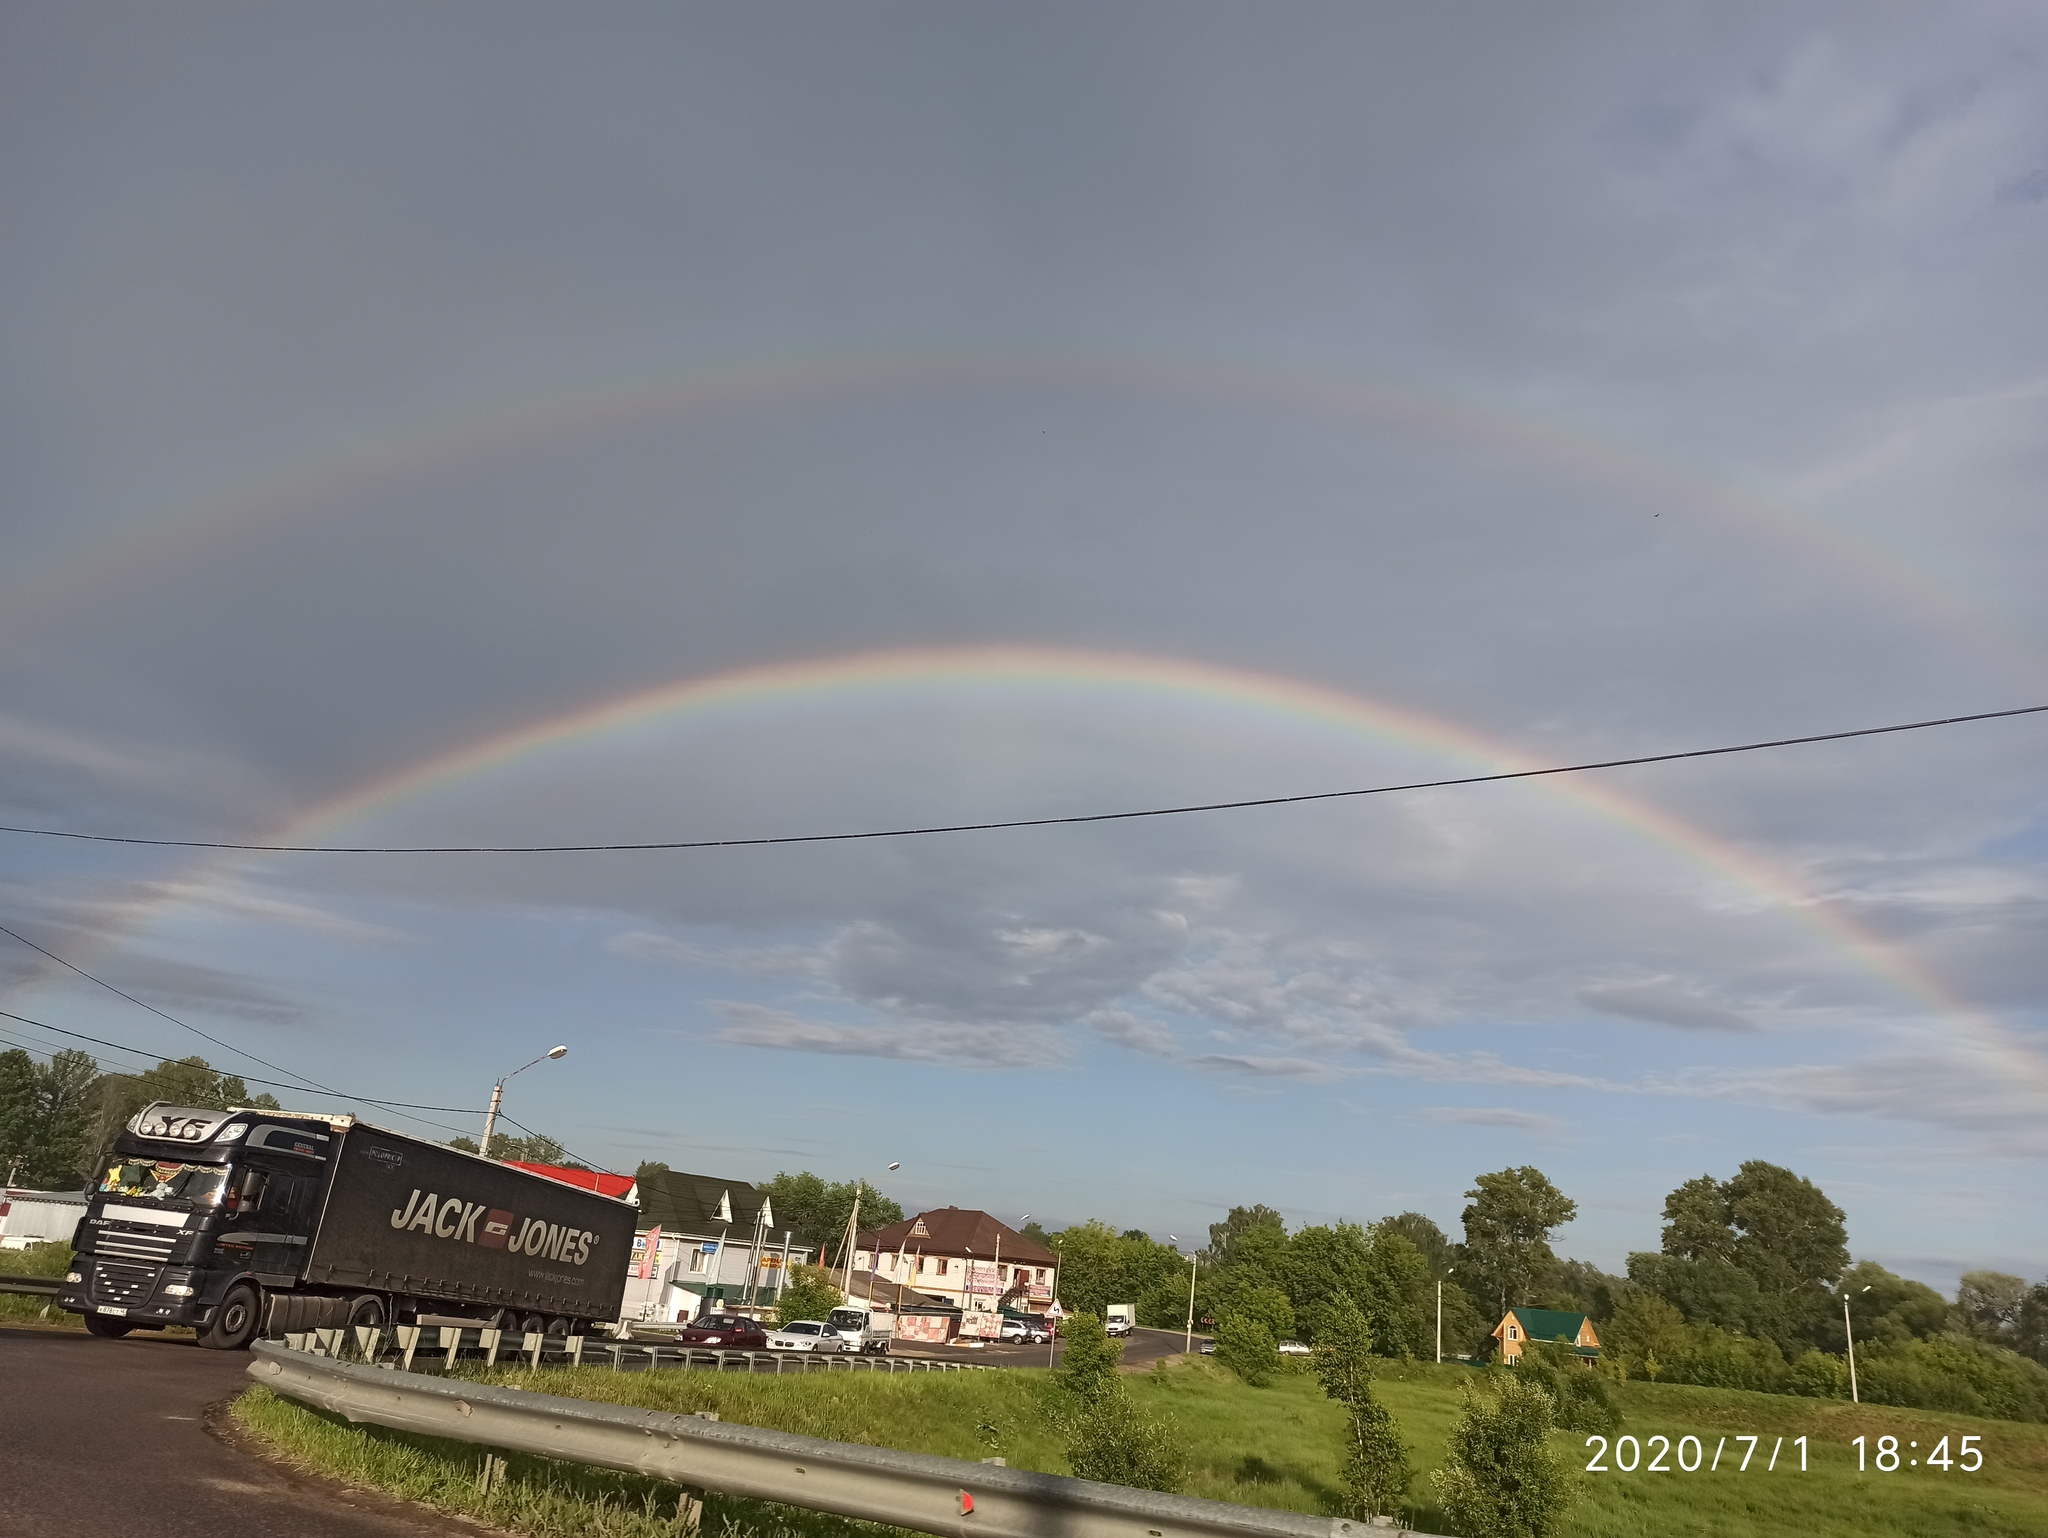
{"points": [[197, 1214]]}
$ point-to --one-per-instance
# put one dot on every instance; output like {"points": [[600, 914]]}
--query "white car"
{"points": [[1294, 1348], [807, 1335]]}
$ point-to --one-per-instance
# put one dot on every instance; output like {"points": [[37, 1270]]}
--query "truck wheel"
{"points": [[234, 1323], [366, 1312], [559, 1327], [105, 1327], [533, 1324]]}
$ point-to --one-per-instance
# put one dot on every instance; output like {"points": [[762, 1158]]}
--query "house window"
{"points": [[1513, 1333], [942, 1265], [698, 1259]]}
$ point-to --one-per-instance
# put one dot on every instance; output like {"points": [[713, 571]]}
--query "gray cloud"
{"points": [[957, 1046], [1663, 1006], [1533, 1122]]}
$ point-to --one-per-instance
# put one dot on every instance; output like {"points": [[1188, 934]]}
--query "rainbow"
{"points": [[798, 683], [516, 424]]}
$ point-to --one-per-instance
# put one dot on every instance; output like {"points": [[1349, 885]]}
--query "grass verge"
{"points": [[1277, 1447]]}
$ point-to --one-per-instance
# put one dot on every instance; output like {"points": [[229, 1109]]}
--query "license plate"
{"points": [[109, 1309]]}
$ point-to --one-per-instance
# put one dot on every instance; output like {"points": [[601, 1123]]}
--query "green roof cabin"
{"points": [[1522, 1325]]}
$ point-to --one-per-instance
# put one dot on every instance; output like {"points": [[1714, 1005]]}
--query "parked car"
{"points": [[808, 1335], [729, 1332], [1294, 1348], [1028, 1332]]}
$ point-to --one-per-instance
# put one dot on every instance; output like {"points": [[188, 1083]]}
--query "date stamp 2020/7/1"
{"points": [[1658, 1454]]}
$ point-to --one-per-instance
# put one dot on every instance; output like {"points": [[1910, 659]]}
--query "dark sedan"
{"points": [[728, 1332]]}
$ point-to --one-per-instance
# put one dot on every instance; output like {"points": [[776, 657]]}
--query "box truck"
{"points": [[247, 1221], [1118, 1318]]}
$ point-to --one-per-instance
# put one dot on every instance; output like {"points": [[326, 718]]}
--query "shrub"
{"points": [[1247, 1348], [1376, 1471], [1088, 1366], [1116, 1442], [1581, 1398], [1818, 1375], [1952, 1372], [1501, 1478]]}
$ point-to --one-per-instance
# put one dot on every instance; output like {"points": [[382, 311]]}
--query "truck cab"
{"points": [[196, 1214]]}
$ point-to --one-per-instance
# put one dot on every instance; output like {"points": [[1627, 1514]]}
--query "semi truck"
{"points": [[251, 1221]]}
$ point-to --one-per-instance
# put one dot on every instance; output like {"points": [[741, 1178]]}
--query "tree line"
{"points": [[59, 1118]]}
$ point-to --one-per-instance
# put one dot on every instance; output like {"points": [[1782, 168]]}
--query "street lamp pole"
{"points": [[1451, 1271], [498, 1097], [1849, 1336], [1194, 1260]]}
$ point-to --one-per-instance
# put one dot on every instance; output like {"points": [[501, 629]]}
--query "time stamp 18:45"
{"points": [[1688, 1455]]}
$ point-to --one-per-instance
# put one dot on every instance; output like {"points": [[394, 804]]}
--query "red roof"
{"points": [[590, 1180]]}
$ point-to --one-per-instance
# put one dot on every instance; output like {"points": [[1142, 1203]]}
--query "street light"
{"points": [[1850, 1337], [1448, 1271], [498, 1097], [1188, 1341]]}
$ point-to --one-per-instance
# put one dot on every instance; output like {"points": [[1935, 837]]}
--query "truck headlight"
{"points": [[177, 1290], [73, 1276]]}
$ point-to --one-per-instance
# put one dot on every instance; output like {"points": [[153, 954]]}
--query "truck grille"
{"points": [[121, 1285], [147, 1244]]}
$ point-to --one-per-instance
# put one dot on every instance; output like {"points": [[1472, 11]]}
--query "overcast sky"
{"points": [[1059, 409]]}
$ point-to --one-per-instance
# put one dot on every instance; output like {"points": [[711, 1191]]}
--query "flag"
{"points": [[652, 1252]]}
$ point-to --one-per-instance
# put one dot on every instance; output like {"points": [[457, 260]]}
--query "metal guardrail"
{"points": [[32, 1286], [929, 1494], [446, 1345]]}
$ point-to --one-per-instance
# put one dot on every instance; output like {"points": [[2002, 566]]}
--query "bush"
{"points": [[1247, 1348], [1953, 1372], [1581, 1398], [1818, 1375], [1116, 1442], [1376, 1471], [1501, 1477], [1089, 1365]]}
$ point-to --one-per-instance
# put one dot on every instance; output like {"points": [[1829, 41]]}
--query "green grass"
{"points": [[1279, 1447], [36, 1260]]}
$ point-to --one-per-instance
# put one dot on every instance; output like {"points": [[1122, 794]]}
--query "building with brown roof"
{"points": [[976, 1262]]}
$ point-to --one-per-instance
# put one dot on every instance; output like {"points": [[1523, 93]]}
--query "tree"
{"points": [[1507, 1233], [1430, 1242], [1697, 1222], [1110, 1438], [46, 1118], [1501, 1478], [815, 1210], [810, 1294], [1788, 1234], [1644, 1326], [1249, 1236], [1099, 1266], [1376, 1469], [537, 1149], [1989, 1305], [649, 1167]]}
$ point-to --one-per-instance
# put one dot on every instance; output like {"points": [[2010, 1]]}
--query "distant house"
{"points": [[1522, 1325], [978, 1264]]}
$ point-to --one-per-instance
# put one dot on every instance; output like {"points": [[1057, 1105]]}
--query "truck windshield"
{"points": [[199, 1184], [846, 1319]]}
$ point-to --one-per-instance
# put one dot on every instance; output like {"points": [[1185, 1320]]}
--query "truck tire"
{"points": [[560, 1327], [234, 1322], [106, 1327], [366, 1312]]}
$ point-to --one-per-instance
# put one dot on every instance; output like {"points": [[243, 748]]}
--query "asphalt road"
{"points": [[111, 1436]]}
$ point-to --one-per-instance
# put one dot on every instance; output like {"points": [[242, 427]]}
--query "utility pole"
{"points": [[1849, 1336], [1452, 1271]]}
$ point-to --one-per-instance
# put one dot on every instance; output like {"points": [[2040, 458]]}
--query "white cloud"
{"points": [[1663, 1005]]}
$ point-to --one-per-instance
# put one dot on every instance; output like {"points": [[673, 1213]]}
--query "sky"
{"points": [[507, 425]]}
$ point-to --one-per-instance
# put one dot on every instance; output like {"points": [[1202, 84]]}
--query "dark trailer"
{"points": [[229, 1221]]}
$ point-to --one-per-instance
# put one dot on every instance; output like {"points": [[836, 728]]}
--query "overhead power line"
{"points": [[1032, 822], [304, 1084], [297, 1089]]}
